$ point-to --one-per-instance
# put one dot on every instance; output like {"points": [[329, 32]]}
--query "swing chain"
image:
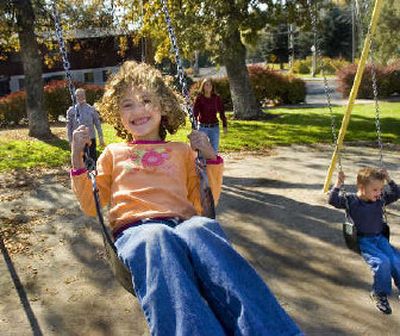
{"points": [[327, 89], [377, 121], [207, 200], [143, 41], [377, 112], [374, 81], [63, 52], [89, 162], [180, 72]]}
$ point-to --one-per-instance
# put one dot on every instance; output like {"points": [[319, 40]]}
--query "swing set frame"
{"points": [[354, 91]]}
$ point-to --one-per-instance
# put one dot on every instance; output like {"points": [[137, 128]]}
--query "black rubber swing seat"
{"points": [[350, 236]]}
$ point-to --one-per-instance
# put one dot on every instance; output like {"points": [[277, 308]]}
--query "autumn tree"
{"points": [[387, 36], [19, 18], [224, 28], [25, 26]]}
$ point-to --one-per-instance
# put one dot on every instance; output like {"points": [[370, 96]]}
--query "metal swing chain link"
{"points": [[118, 268], [327, 89], [377, 112], [374, 82], [207, 200], [143, 42], [180, 71], [63, 52], [365, 32], [89, 162], [377, 121]]}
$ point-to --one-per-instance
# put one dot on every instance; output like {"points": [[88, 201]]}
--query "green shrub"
{"points": [[12, 108], [94, 92], [57, 98], [392, 73], [346, 75], [296, 92], [56, 102], [336, 64], [302, 66], [268, 86], [329, 65]]}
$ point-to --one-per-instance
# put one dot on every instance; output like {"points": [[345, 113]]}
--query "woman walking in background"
{"points": [[206, 107]]}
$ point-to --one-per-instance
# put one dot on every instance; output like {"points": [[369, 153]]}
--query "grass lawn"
{"points": [[285, 127]]}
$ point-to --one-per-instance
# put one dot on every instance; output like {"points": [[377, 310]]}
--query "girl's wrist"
{"points": [[209, 154], [77, 161]]}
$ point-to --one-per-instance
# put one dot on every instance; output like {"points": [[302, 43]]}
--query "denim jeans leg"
{"points": [[394, 257], [237, 294], [164, 282], [213, 135], [379, 264]]}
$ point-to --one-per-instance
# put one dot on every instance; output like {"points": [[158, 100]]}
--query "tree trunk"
{"points": [[32, 64], [245, 105]]}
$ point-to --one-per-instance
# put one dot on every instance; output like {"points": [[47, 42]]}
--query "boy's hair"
{"points": [[143, 76], [205, 80], [80, 90], [366, 175]]}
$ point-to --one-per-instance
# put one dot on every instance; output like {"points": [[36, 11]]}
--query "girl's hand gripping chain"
{"points": [[80, 138], [200, 142]]}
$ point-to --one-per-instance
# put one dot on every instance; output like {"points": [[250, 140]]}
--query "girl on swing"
{"points": [[186, 275]]}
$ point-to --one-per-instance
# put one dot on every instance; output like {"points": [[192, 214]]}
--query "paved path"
{"points": [[316, 95], [271, 207]]}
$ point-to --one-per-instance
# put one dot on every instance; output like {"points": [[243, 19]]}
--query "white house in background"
{"points": [[92, 54]]}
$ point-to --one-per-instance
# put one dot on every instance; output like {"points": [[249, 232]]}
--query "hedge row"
{"points": [[388, 80], [329, 65], [268, 85], [56, 102]]}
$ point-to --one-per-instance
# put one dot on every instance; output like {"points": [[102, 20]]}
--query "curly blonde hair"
{"points": [[144, 76]]}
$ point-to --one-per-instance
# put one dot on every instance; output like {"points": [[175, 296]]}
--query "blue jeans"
{"points": [[213, 135], [384, 261], [190, 281]]}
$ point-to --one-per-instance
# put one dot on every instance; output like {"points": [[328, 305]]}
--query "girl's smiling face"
{"points": [[141, 114]]}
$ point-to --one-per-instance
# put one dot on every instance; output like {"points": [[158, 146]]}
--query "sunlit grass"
{"points": [[285, 126]]}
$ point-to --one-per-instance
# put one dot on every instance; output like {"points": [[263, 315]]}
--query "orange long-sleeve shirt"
{"points": [[146, 180]]}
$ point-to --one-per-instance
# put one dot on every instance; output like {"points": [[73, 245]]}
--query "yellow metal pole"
{"points": [[354, 90]]}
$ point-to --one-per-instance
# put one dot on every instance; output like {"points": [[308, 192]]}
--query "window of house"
{"points": [[51, 78], [21, 83], [88, 77], [106, 74]]}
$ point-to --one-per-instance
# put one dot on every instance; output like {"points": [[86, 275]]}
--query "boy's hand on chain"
{"points": [[340, 179]]}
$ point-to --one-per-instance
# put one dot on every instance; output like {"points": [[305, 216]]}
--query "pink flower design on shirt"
{"points": [[134, 157], [152, 159]]}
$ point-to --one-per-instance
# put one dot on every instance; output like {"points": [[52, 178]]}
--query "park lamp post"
{"points": [[314, 60]]}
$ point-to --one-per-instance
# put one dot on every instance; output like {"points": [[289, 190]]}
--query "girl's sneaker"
{"points": [[381, 302]]}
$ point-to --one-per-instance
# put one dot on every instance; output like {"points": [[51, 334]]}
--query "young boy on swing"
{"points": [[366, 210], [187, 277]]}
